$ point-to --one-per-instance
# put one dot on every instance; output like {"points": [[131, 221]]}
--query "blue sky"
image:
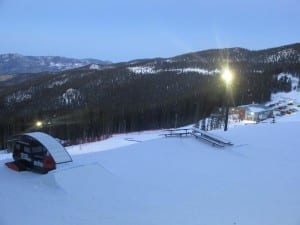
{"points": [[119, 30]]}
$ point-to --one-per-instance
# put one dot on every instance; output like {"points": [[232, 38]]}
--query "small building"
{"points": [[255, 112], [36, 151]]}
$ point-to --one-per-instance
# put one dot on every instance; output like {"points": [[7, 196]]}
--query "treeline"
{"points": [[111, 102]]}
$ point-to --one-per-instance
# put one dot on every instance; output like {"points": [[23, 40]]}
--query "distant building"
{"points": [[255, 112]]}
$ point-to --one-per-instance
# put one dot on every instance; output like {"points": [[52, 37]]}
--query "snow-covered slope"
{"points": [[147, 179]]}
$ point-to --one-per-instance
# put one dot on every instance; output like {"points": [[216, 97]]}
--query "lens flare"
{"points": [[39, 123], [227, 76]]}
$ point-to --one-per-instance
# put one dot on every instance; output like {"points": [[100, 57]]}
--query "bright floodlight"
{"points": [[227, 76], [39, 123]]}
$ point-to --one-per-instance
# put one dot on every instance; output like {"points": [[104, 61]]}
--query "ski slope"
{"points": [[147, 179]]}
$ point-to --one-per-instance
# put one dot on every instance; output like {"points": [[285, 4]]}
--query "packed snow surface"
{"points": [[147, 179]]}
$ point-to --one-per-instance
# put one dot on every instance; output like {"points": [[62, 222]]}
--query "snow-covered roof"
{"points": [[57, 151], [256, 108]]}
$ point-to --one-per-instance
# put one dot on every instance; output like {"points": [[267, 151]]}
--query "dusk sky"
{"points": [[122, 30]]}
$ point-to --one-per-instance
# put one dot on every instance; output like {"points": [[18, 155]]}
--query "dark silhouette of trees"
{"points": [[88, 104]]}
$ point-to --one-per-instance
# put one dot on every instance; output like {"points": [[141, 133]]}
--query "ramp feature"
{"points": [[36, 151], [17, 166], [178, 132], [211, 138]]}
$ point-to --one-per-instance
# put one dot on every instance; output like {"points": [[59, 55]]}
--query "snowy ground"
{"points": [[147, 179]]}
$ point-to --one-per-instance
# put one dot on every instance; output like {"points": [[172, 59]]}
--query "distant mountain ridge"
{"points": [[211, 61], [206, 60], [16, 63], [291, 51]]}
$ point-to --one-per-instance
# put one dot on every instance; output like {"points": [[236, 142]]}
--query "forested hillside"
{"points": [[92, 101]]}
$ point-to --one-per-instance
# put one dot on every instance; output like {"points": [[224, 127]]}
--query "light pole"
{"points": [[227, 78]]}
